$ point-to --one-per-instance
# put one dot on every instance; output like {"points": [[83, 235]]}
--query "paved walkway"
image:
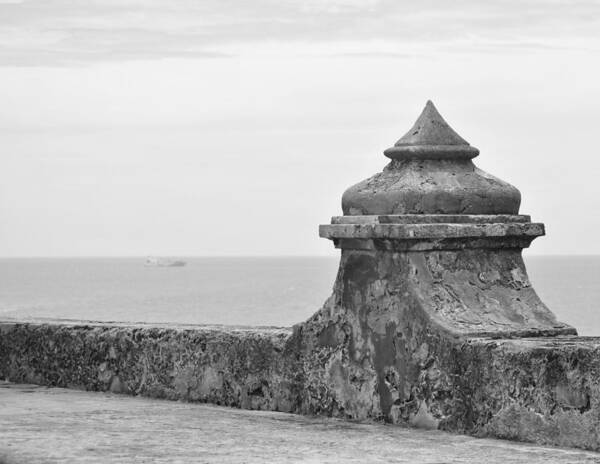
{"points": [[54, 425]]}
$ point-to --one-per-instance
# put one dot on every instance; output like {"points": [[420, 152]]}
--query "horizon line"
{"points": [[238, 256]]}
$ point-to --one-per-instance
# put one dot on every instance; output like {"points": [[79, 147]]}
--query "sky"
{"points": [[232, 127]]}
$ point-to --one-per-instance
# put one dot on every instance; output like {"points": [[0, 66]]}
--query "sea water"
{"points": [[278, 291]]}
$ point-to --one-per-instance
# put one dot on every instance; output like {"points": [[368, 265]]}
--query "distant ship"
{"points": [[160, 262]]}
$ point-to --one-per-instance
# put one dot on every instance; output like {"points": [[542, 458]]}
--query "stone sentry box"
{"points": [[432, 234], [432, 322]]}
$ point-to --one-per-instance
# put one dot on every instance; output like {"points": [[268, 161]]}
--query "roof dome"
{"points": [[431, 172]]}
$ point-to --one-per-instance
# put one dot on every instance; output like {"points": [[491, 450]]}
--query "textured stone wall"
{"points": [[228, 366], [543, 390], [393, 317], [342, 364], [538, 390]]}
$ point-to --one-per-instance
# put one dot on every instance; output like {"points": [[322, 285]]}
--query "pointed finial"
{"points": [[431, 137]]}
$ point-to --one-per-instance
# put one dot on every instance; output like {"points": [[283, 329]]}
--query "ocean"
{"points": [[278, 291]]}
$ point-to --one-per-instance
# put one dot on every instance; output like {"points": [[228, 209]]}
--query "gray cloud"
{"points": [[65, 32]]}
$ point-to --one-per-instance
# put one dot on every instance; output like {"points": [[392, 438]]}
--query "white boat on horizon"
{"points": [[162, 262]]}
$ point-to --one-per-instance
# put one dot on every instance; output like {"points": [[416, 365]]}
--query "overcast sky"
{"points": [[233, 126]]}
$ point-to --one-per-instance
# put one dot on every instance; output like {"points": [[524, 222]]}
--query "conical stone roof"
{"points": [[431, 129], [431, 137], [431, 172]]}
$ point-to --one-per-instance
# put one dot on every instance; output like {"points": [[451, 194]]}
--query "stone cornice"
{"points": [[370, 233]]}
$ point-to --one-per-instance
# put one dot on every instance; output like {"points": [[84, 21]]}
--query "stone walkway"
{"points": [[54, 425]]}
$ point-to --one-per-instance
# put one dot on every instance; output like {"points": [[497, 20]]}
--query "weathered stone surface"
{"points": [[431, 187], [430, 231], [229, 366], [545, 391], [461, 293], [431, 137], [431, 173], [395, 342], [432, 219], [422, 236], [374, 364], [538, 390], [413, 232]]}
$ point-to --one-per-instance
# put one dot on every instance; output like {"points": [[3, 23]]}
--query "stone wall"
{"points": [[538, 390], [397, 342], [541, 390], [229, 366]]}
